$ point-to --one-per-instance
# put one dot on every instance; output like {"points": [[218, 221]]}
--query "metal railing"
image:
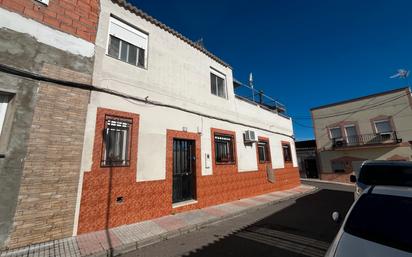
{"points": [[250, 94], [366, 139]]}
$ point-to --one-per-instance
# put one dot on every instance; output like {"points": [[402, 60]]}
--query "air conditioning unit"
{"points": [[250, 136], [338, 142], [385, 135]]}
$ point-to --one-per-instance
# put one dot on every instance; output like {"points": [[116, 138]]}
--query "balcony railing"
{"points": [[366, 139]]}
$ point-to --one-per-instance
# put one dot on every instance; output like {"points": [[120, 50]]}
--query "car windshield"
{"points": [[386, 175], [382, 219]]}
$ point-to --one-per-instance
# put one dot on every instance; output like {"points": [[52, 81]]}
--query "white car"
{"points": [[379, 224], [388, 173]]}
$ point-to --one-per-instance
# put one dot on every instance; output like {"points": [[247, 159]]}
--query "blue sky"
{"points": [[303, 53]]}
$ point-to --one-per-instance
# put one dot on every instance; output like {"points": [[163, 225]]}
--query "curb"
{"points": [[43, 248], [191, 228], [326, 182]]}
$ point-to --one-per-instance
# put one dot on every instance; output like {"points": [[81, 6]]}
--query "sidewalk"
{"points": [[130, 237]]}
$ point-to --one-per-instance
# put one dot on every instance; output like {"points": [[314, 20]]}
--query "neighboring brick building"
{"points": [[373, 127], [42, 123]]}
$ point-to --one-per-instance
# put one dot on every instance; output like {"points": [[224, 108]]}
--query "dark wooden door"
{"points": [[311, 168], [184, 173]]}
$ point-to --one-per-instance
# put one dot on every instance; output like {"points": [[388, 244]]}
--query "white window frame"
{"points": [[222, 76], [3, 109], [142, 34], [346, 133], [383, 120], [330, 132]]}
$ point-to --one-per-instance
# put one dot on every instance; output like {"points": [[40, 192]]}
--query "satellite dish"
{"points": [[402, 73]]}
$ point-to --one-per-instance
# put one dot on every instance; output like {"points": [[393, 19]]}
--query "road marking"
{"points": [[283, 240]]}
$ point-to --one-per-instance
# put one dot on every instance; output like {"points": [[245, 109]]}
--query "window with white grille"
{"points": [[116, 141], [224, 152]]}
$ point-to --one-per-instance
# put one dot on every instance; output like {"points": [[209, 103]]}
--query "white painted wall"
{"points": [[176, 74], [154, 122]]}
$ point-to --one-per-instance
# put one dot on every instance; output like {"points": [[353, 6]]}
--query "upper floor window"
{"points": [[4, 101], [224, 152], [287, 154], [335, 132], [351, 134], [6, 119], [383, 126], [116, 141], [218, 84], [263, 151], [127, 43]]}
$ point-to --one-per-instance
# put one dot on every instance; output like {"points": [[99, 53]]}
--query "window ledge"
{"points": [[225, 163], [184, 203]]}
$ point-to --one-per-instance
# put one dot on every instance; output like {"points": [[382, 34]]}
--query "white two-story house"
{"points": [[166, 133]]}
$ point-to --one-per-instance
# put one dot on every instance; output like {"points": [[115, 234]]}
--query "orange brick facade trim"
{"points": [[76, 17], [151, 199], [223, 167], [262, 165], [287, 163]]}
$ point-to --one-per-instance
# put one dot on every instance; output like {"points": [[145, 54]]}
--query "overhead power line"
{"points": [[359, 109], [37, 77]]}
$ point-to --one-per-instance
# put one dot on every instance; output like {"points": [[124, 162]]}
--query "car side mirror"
{"points": [[336, 216], [352, 178]]}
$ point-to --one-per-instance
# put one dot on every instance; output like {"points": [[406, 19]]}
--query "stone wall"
{"points": [[48, 190], [39, 176]]}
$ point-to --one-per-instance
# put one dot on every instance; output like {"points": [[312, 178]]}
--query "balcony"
{"points": [[388, 138], [257, 97]]}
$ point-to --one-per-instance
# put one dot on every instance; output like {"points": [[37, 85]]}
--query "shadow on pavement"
{"points": [[303, 229]]}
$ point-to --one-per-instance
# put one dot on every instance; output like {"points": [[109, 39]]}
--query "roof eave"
{"points": [[359, 98], [161, 25]]}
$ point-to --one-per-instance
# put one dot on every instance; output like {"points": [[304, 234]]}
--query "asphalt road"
{"points": [[301, 227]]}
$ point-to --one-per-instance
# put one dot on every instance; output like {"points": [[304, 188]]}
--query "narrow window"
{"points": [[141, 55], [338, 166], [127, 43], [224, 149], [287, 155], [6, 119], [116, 142], [132, 57], [263, 151], [114, 47], [4, 101], [335, 133], [217, 85], [351, 135], [124, 49], [383, 126]]}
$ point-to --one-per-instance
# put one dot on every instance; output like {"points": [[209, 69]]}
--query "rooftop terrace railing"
{"points": [[250, 94]]}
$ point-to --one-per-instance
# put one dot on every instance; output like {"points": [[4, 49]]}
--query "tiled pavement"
{"points": [[130, 237]]}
